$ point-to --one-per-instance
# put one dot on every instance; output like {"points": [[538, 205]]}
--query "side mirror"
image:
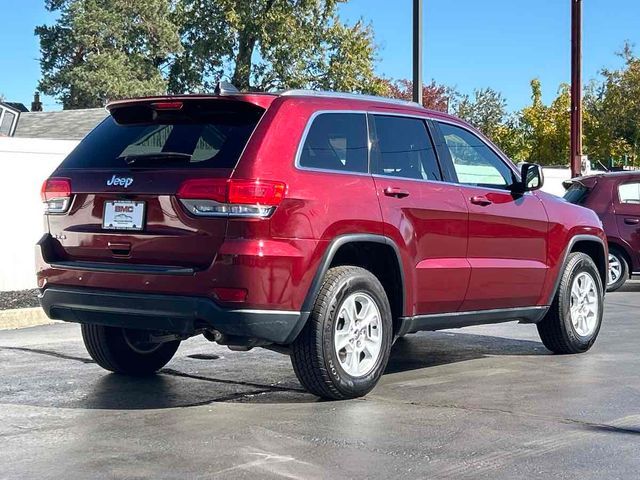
{"points": [[532, 178]]}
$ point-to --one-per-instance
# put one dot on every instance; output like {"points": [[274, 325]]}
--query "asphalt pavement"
{"points": [[479, 403]]}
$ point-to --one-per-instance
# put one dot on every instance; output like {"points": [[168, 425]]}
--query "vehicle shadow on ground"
{"points": [[175, 388], [440, 348], [631, 286]]}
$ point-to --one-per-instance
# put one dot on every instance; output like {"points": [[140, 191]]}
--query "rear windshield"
{"points": [[209, 137], [577, 194]]}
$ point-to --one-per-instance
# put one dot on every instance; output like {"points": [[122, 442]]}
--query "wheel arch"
{"points": [[590, 245], [624, 250], [376, 253]]}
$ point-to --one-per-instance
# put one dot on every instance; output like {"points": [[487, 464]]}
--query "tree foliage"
{"points": [[612, 125], [545, 128], [272, 44], [434, 96], [105, 49], [108, 49]]}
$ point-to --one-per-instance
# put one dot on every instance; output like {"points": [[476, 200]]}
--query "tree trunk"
{"points": [[242, 73]]}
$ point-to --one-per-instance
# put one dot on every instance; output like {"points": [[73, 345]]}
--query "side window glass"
{"points": [[404, 148], [474, 162], [337, 141], [629, 193]]}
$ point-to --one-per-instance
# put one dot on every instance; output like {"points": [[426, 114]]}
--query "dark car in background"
{"points": [[615, 197]]}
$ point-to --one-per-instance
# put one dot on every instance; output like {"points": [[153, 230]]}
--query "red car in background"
{"points": [[615, 197]]}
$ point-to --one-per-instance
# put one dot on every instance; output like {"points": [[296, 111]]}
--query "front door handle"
{"points": [[395, 192], [632, 221], [480, 200]]}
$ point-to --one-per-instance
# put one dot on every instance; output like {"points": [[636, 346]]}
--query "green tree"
{"points": [[546, 128], [99, 50], [486, 109], [612, 125], [272, 44]]}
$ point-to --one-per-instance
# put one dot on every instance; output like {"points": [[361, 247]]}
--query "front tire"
{"points": [[618, 270], [573, 322], [126, 351], [344, 348]]}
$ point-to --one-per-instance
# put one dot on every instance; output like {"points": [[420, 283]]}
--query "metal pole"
{"points": [[576, 88], [417, 51]]}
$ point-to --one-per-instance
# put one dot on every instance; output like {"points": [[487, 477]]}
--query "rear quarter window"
{"points": [[629, 193], [336, 142]]}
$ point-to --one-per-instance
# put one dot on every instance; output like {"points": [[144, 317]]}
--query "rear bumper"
{"points": [[183, 315]]}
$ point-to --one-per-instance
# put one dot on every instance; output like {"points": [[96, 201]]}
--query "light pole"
{"points": [[417, 51], [576, 88]]}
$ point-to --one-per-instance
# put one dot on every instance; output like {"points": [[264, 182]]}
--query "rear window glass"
{"points": [[194, 138], [577, 194], [337, 141]]}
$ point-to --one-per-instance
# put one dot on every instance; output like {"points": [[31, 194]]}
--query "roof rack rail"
{"points": [[351, 96]]}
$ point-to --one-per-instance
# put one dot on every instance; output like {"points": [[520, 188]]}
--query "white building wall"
{"points": [[24, 164]]}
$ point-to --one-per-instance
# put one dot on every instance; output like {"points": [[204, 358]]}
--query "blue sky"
{"points": [[468, 43]]}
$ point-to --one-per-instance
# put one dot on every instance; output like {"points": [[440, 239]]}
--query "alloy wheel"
{"points": [[358, 334], [615, 269], [584, 304]]}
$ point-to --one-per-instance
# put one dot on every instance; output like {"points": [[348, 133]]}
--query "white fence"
{"points": [[24, 164]]}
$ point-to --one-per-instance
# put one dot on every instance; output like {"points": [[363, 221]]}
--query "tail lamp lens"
{"points": [[56, 195], [240, 198]]}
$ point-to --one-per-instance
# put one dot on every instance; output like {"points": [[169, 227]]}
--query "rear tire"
{"points": [[573, 322], [121, 350], [618, 270], [344, 348]]}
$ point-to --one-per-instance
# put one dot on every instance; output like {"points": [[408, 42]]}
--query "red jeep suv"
{"points": [[320, 225], [615, 197]]}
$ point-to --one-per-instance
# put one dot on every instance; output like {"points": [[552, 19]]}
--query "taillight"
{"points": [[239, 198], [56, 195]]}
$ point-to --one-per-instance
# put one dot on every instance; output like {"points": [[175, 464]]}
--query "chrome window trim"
{"points": [[305, 133]]}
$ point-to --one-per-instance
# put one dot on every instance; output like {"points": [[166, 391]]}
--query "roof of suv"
{"points": [[264, 99], [607, 175]]}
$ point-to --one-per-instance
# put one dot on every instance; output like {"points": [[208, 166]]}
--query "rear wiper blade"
{"points": [[155, 156]]}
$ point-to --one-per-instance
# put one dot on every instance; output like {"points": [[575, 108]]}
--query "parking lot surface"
{"points": [[482, 402]]}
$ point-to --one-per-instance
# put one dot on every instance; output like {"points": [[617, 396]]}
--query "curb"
{"points": [[23, 318]]}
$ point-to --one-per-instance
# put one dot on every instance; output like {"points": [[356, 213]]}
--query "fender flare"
{"points": [[325, 262], [575, 239]]}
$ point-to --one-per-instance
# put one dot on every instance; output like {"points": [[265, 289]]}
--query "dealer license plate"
{"points": [[123, 215]]}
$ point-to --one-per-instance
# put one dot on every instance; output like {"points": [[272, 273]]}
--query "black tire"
{"points": [[113, 350], [624, 267], [313, 355], [556, 329]]}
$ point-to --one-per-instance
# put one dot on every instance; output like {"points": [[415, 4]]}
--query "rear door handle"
{"points": [[395, 192], [480, 200], [632, 221]]}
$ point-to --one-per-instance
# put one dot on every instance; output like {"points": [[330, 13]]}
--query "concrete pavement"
{"points": [[482, 402]]}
